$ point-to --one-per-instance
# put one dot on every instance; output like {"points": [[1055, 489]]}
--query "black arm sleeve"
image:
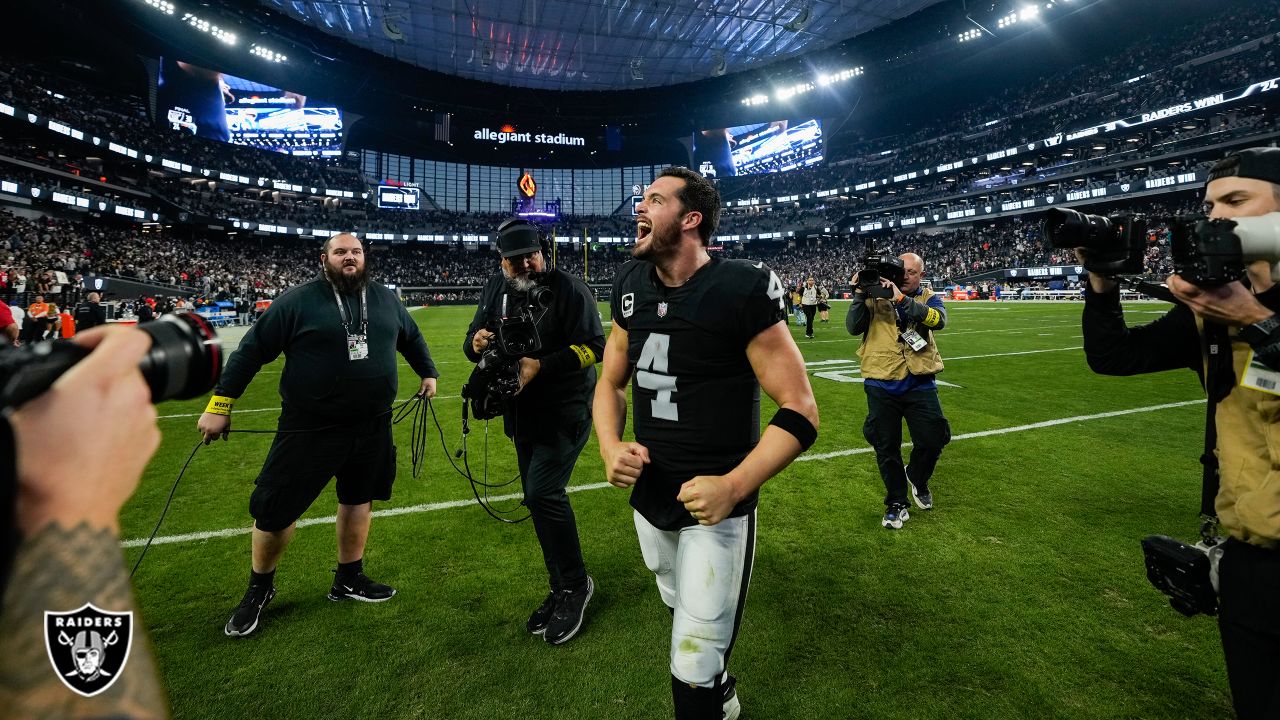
{"points": [[1170, 342], [413, 346], [262, 344], [858, 318], [580, 320]]}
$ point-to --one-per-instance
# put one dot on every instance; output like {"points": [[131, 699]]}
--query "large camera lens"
{"points": [[1066, 229], [184, 361]]}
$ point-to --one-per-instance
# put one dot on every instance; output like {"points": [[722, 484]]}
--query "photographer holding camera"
{"points": [[66, 527], [540, 330], [897, 319], [1242, 388]]}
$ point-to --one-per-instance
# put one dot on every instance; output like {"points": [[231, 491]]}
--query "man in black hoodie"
{"points": [[339, 334]]}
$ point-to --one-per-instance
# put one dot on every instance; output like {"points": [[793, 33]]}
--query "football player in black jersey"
{"points": [[702, 336]]}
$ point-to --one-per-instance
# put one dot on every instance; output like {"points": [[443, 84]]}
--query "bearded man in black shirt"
{"points": [[339, 334]]}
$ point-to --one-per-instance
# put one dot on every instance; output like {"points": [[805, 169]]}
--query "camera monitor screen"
{"points": [[214, 105], [768, 147], [398, 198]]}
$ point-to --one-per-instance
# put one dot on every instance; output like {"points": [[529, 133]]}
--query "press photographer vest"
{"points": [[1248, 448], [883, 356]]}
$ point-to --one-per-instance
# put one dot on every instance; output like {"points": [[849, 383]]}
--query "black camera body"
{"points": [[875, 266], [183, 362], [496, 377], [1207, 252], [1116, 244], [1182, 572]]}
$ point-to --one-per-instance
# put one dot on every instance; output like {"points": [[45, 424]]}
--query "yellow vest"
{"points": [[1248, 450], [883, 357]]}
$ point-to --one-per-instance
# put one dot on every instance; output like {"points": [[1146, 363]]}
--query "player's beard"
{"points": [[345, 283], [661, 245]]}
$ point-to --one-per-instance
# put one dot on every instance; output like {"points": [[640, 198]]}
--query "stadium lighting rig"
{"points": [[267, 54], [820, 80], [161, 5], [205, 26]]}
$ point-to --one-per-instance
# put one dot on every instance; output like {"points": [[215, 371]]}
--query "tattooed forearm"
{"points": [[60, 570]]}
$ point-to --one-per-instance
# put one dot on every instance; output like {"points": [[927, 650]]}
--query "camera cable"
{"points": [[417, 451]]}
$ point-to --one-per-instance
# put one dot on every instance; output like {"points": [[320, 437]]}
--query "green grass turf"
{"points": [[1021, 595]]}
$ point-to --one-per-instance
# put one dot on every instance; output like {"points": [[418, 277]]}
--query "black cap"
{"points": [[518, 237], [1261, 163]]}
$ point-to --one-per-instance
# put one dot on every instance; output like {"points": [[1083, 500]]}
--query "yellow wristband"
{"points": [[219, 405], [586, 358]]}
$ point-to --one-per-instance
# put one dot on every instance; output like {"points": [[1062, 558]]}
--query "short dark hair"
{"points": [[697, 195], [325, 247]]}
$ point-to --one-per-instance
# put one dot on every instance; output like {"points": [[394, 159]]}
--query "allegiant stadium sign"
{"points": [[509, 135]]}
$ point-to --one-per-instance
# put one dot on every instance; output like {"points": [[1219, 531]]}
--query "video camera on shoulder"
{"points": [[1205, 252], [877, 265], [496, 377]]}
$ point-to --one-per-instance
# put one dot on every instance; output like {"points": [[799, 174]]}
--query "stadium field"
{"points": [[1021, 595]]}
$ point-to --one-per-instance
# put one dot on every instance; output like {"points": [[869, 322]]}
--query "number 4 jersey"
{"points": [[694, 397]]}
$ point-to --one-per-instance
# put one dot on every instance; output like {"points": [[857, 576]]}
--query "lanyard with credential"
{"points": [[342, 311]]}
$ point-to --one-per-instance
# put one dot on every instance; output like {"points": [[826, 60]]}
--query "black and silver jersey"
{"points": [[695, 398]]}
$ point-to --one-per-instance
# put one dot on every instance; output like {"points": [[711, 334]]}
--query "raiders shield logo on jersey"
{"points": [[88, 647]]}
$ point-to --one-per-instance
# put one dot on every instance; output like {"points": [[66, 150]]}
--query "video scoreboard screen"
{"points": [[394, 197], [219, 106]]}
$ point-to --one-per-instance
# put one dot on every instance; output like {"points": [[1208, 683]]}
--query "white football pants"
{"points": [[703, 573]]}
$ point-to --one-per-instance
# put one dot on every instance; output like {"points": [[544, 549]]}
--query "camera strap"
{"points": [[1215, 353]]}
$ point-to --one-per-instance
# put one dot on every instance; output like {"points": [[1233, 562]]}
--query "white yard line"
{"points": [[431, 507], [845, 364]]}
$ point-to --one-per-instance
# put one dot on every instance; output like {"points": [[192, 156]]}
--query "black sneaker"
{"points": [[566, 620], [537, 623], [249, 612], [360, 587]]}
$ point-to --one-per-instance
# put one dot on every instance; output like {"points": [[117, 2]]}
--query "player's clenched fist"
{"points": [[623, 463], [708, 498]]}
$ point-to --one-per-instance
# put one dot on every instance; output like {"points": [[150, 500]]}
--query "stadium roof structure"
{"points": [[594, 44]]}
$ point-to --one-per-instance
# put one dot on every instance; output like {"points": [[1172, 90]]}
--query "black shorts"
{"points": [[823, 307], [299, 466]]}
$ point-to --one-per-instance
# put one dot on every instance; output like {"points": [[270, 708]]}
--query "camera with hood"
{"points": [[496, 377], [876, 265]]}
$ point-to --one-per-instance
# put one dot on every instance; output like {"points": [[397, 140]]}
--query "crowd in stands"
{"points": [[1073, 98], [243, 268]]}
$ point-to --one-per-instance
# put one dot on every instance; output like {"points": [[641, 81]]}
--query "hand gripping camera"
{"points": [[496, 377]]}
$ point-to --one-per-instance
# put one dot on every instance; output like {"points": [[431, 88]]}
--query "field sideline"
{"points": [[1022, 594]]}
